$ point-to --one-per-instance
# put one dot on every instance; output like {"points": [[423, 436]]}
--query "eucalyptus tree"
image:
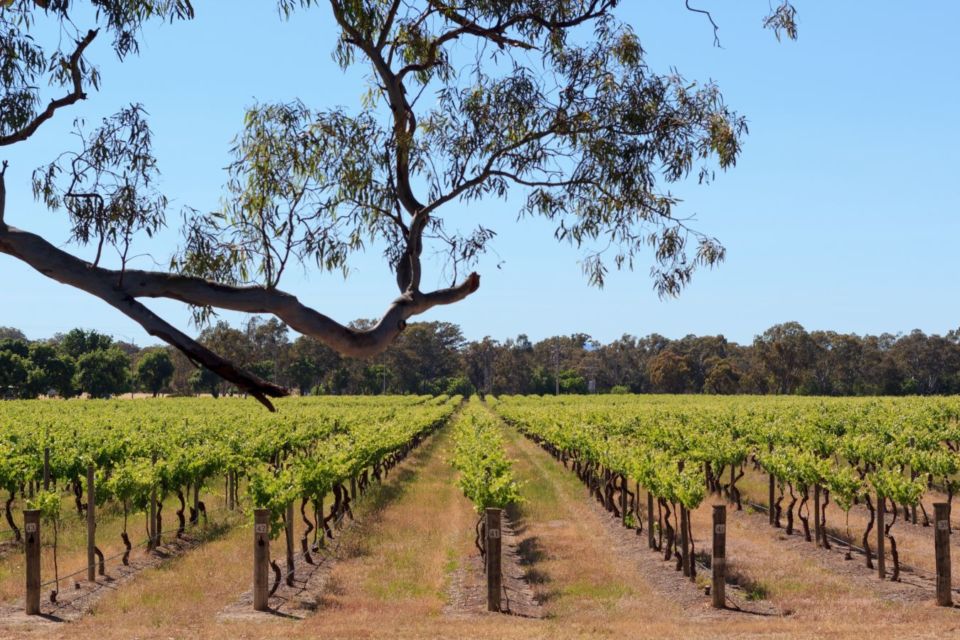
{"points": [[466, 100]]}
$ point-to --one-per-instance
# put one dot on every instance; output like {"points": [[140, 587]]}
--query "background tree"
{"points": [[78, 342], [310, 362], [433, 358], [425, 357], [14, 370], [478, 359], [50, 371], [723, 377], [103, 373], [552, 100], [155, 370], [11, 333], [269, 348], [206, 381], [786, 352], [669, 372]]}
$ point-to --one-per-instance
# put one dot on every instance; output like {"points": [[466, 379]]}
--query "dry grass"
{"points": [[72, 540]]}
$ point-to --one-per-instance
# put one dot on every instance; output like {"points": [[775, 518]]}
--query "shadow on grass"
{"points": [[531, 553]]}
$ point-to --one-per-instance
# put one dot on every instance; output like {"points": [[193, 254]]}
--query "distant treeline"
{"points": [[434, 357]]}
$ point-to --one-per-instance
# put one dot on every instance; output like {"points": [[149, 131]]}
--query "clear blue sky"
{"points": [[841, 214]]}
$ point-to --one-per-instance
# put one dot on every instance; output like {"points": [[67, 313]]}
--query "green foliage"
{"points": [[79, 342], [485, 471], [103, 373], [572, 382], [50, 505], [273, 491], [458, 386], [301, 451], [851, 447], [155, 370], [14, 371], [131, 482], [50, 371]]}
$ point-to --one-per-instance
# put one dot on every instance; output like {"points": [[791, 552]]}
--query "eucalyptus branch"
{"points": [[76, 94], [107, 285], [716, 28]]}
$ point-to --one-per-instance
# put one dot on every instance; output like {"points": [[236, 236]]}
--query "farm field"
{"points": [[403, 561]]}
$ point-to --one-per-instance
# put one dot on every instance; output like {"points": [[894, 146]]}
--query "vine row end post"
{"points": [[881, 525], [941, 517], [494, 576], [31, 526], [261, 559], [91, 526], [719, 557]]}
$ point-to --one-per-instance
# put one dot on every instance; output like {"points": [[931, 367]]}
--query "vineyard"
{"points": [[885, 455], [364, 511]]}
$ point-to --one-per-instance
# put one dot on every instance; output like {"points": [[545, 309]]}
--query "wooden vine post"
{"points": [[817, 533], [719, 557], [941, 516], [650, 519], [46, 468], [289, 539], [623, 499], [31, 526], [494, 576], [881, 554], [152, 528], [261, 559], [912, 476], [196, 502], [91, 526], [684, 542], [770, 495]]}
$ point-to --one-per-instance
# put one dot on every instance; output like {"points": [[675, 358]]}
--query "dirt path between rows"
{"points": [[311, 579], [631, 550], [468, 585]]}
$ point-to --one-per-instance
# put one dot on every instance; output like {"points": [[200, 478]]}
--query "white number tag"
{"points": [[720, 529], [493, 534], [30, 527], [943, 525], [259, 528]]}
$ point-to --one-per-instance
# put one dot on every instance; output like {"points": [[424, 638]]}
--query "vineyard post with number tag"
{"points": [[941, 511], [91, 526], [31, 526], [719, 557], [261, 559], [494, 577]]}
